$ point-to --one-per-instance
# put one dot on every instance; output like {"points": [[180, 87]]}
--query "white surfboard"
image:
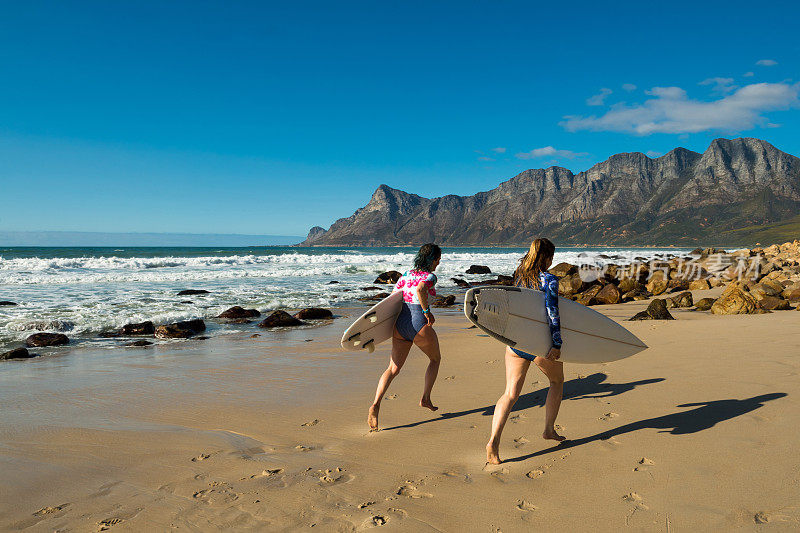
{"points": [[517, 317], [374, 326]]}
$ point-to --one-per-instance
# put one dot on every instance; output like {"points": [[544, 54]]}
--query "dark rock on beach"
{"points": [[17, 353], [313, 313], [773, 303], [46, 339], [192, 292], [239, 312], [7, 303], [181, 330], [461, 283], [479, 269], [684, 299], [388, 278], [376, 297], [657, 310], [139, 343], [735, 300], [443, 301], [371, 288], [563, 269], [280, 319], [141, 328], [609, 294]]}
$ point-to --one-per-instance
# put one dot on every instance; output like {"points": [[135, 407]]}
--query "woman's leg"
{"points": [[400, 348], [428, 342], [554, 370], [516, 369]]}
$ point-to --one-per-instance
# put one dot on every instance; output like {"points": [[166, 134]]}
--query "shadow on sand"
{"points": [[592, 386], [705, 416]]}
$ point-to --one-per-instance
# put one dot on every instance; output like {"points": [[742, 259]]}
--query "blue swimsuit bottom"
{"points": [[410, 321]]}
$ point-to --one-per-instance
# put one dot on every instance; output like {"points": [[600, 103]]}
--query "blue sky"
{"points": [[264, 117]]}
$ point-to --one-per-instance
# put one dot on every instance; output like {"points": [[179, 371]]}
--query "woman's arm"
{"points": [[553, 317], [422, 294]]}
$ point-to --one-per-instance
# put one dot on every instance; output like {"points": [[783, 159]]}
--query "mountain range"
{"points": [[739, 191]]}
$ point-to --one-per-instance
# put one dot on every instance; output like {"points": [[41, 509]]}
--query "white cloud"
{"points": [[549, 151], [766, 62], [499, 150], [671, 111], [629, 87], [721, 85], [599, 98], [748, 74], [484, 158], [653, 153]]}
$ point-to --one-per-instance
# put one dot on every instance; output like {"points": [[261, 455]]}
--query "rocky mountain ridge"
{"points": [[734, 192]]}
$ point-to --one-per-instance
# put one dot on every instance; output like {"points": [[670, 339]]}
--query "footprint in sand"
{"points": [[637, 500], [379, 520], [265, 473], [643, 463], [465, 477], [201, 457], [533, 474], [608, 416], [215, 496], [309, 424], [448, 378], [49, 510], [410, 491], [391, 397], [103, 525], [522, 505], [517, 418], [333, 475], [761, 518], [365, 504], [302, 448], [519, 442]]}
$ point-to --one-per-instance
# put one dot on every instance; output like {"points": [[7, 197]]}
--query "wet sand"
{"points": [[270, 433]]}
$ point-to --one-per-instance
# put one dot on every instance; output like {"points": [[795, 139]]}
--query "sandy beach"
{"points": [[269, 433]]}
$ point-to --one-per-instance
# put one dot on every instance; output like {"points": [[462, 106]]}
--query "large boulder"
{"points": [[563, 269], [587, 297], [313, 313], [388, 278], [571, 284], [684, 299], [279, 319], [478, 269], [180, 330], [735, 300], [793, 295], [657, 310], [699, 285], [704, 304], [237, 312], [192, 292], [609, 294], [774, 303], [658, 283], [141, 328], [443, 301], [17, 353], [46, 339]]}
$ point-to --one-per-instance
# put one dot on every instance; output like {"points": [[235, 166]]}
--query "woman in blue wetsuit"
{"points": [[413, 326], [532, 274]]}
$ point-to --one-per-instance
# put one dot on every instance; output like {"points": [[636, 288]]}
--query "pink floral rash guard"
{"points": [[409, 282]]}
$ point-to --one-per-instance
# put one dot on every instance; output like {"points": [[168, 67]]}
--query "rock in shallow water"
{"points": [[478, 269], [388, 278], [139, 343], [280, 319], [6, 302], [191, 292], [239, 312], [313, 313], [17, 353], [443, 301], [141, 328], [46, 339], [180, 330]]}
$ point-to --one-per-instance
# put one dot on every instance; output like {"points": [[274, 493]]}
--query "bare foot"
{"points": [[492, 454], [372, 418], [426, 402], [550, 434]]}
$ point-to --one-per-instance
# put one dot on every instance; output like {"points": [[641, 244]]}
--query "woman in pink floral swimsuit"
{"points": [[413, 326]]}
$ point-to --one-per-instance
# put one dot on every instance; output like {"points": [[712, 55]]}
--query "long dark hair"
{"points": [[532, 264], [426, 257]]}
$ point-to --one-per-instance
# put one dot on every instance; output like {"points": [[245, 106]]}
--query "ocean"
{"points": [[86, 291]]}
